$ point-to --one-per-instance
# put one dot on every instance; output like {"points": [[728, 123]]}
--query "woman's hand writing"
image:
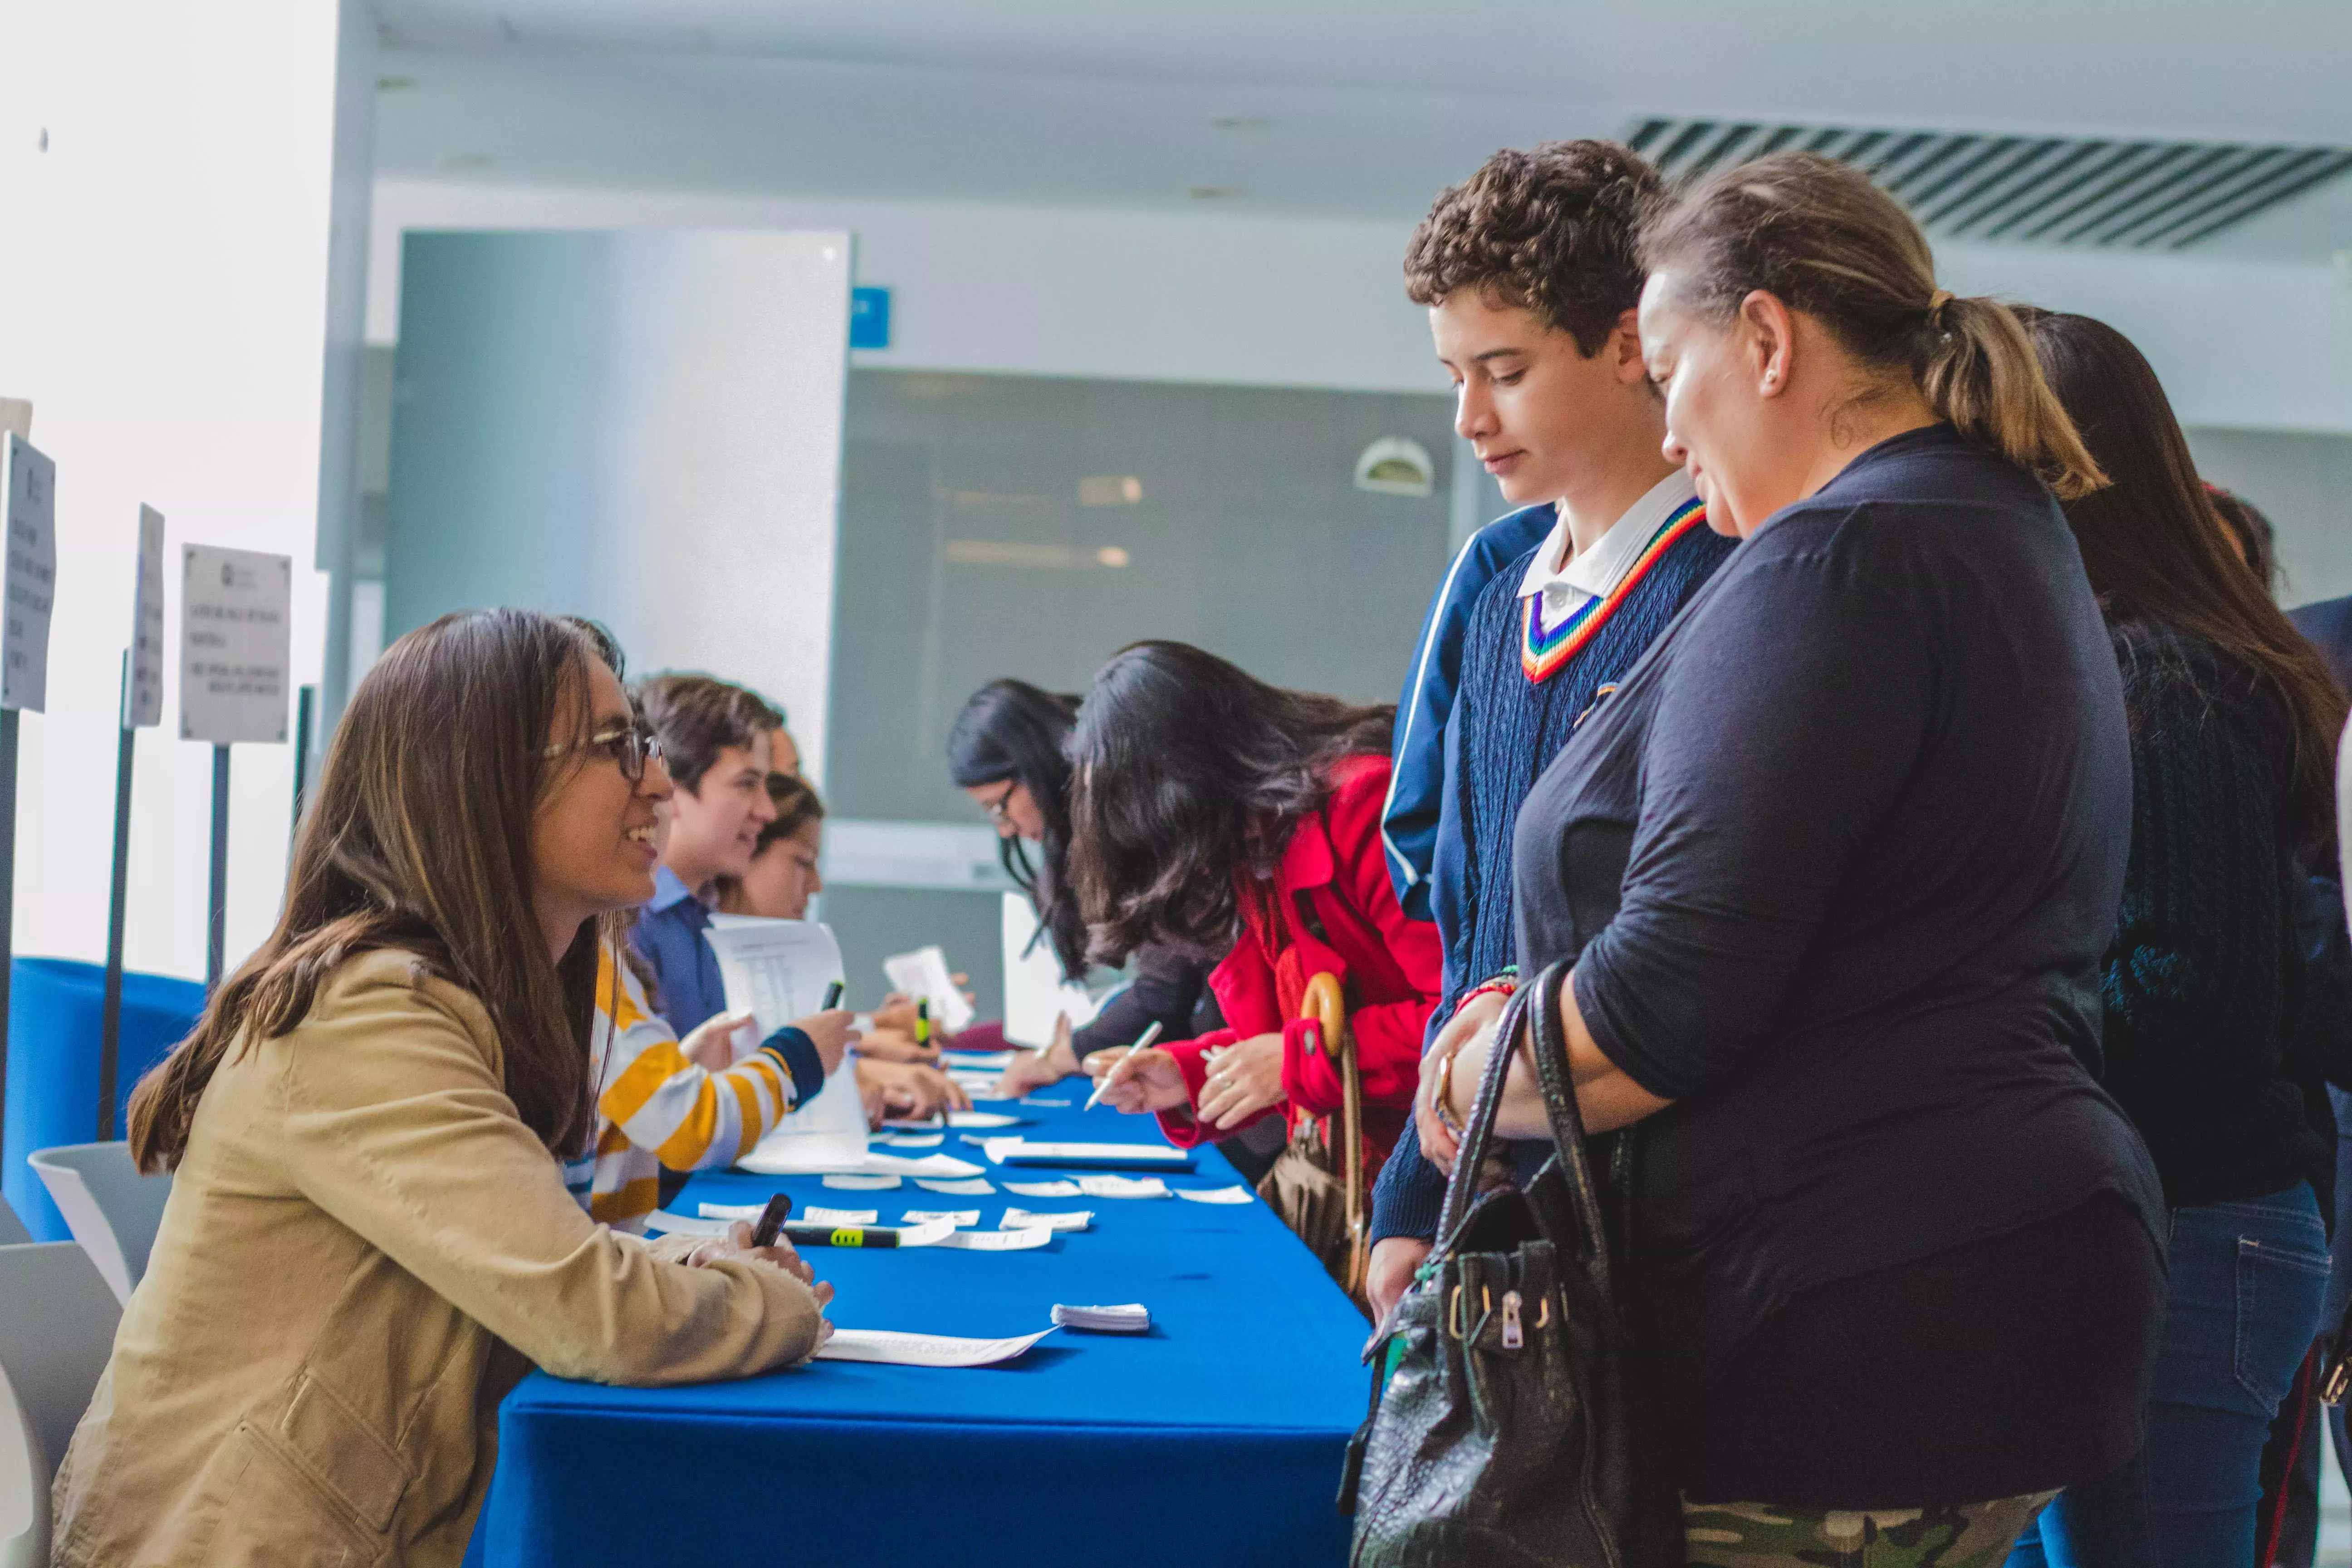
{"points": [[1152, 1080], [1034, 1069]]}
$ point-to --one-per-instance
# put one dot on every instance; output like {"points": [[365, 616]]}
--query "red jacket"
{"points": [[1389, 966]]}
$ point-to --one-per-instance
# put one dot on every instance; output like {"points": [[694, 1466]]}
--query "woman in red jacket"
{"points": [[1213, 813]]}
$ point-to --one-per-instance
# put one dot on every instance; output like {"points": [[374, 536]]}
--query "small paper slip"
{"points": [[856, 1183], [1034, 992], [731, 1211], [977, 1187], [1123, 1186], [912, 1140], [1043, 1189], [817, 1213], [968, 1121], [923, 974], [955, 1060], [1022, 1219], [1216, 1194], [1044, 1104], [1022, 1240], [912, 1124], [1135, 1318], [895, 1349], [926, 1233], [1150, 1156], [685, 1225], [955, 1217]]}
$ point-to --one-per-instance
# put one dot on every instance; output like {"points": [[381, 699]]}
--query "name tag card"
{"points": [[31, 583], [236, 645]]}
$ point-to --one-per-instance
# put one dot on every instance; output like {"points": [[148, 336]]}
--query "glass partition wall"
{"points": [[1031, 526]]}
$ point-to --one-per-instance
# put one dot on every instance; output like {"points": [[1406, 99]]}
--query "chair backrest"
{"points": [[12, 1229], [57, 1319], [111, 1209], [23, 1498]]}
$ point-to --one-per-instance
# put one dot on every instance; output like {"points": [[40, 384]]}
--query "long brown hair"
{"points": [[2157, 549], [1189, 775], [1817, 234], [420, 839]]}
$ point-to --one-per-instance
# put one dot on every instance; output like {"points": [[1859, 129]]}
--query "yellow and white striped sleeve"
{"points": [[690, 1117]]}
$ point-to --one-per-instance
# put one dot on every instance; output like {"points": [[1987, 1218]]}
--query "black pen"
{"points": [[806, 1235], [832, 997], [772, 1220]]}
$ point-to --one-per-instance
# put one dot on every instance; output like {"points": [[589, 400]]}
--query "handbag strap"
{"points": [[1461, 1187], [1568, 1133]]}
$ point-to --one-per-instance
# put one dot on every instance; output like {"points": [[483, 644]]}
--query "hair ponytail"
{"points": [[1819, 235], [1980, 372]]}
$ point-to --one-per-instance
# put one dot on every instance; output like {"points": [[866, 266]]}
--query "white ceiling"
{"points": [[1354, 108]]}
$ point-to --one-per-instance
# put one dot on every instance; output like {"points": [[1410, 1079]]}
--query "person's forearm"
{"points": [[1605, 1095]]}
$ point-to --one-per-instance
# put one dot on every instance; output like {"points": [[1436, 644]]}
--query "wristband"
{"points": [[1503, 984], [799, 1055]]}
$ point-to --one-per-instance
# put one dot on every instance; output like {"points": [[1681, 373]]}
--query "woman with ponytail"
{"points": [[1836, 867], [369, 1238], [2233, 726]]}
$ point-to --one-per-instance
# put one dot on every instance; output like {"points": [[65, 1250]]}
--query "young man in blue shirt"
{"points": [[1529, 273]]}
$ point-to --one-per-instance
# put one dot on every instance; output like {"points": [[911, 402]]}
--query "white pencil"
{"points": [[1118, 1067]]}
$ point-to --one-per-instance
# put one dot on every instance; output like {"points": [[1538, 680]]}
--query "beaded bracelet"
{"points": [[1502, 985]]}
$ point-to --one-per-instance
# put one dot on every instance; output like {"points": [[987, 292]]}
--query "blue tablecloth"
{"points": [[1214, 1441], [53, 1010]]}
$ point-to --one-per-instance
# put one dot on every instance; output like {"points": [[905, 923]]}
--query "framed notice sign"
{"points": [[31, 582], [236, 645]]}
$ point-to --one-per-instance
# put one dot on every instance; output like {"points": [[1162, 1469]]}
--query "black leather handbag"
{"points": [[1503, 1431]]}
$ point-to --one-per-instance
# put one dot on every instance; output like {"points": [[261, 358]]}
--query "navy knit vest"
{"points": [[1511, 728]]}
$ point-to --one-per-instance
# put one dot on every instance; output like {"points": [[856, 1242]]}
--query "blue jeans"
{"points": [[2240, 1309]]}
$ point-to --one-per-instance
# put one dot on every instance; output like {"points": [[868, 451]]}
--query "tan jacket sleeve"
{"points": [[396, 1125]]}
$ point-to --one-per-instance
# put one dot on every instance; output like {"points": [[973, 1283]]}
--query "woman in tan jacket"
{"points": [[369, 1238]]}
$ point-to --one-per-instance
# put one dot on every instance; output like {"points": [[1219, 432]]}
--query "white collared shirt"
{"points": [[1566, 584]]}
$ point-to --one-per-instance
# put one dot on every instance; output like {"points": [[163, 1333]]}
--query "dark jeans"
{"points": [[2247, 1282]]}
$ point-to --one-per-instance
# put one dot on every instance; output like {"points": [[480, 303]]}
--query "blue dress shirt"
{"points": [[668, 936]]}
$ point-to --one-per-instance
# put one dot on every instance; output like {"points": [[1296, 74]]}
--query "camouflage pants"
{"points": [[1756, 1535]]}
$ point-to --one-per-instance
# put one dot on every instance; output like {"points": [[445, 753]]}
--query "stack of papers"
{"points": [[1022, 1219], [898, 1348], [1022, 1151], [1131, 1319]]}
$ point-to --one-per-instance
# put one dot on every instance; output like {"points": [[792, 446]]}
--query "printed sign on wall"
{"points": [[31, 586], [236, 645]]}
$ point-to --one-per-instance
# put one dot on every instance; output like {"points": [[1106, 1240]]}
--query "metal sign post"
{"points": [[30, 588], [235, 656], [142, 705]]}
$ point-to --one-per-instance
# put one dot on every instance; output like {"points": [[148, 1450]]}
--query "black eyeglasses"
{"points": [[629, 746], [998, 807]]}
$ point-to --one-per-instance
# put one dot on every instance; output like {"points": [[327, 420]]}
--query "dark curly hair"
{"points": [[1553, 229]]}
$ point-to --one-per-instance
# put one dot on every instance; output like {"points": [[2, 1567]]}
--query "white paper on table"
{"points": [[1043, 1189], [1123, 1186], [894, 1348], [955, 1060], [911, 1123], [777, 971], [1216, 1194], [1069, 1219], [1149, 1155], [806, 1157], [923, 974], [1021, 1240], [852, 1182], [1133, 1317], [685, 1225], [731, 1211], [977, 1187], [912, 1140], [1035, 991], [1053, 1104], [817, 1213], [967, 1120], [956, 1219], [927, 1233]]}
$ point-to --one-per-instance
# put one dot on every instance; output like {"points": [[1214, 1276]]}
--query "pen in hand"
{"points": [[1143, 1042], [772, 1220]]}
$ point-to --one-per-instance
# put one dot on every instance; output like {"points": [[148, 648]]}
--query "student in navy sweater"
{"points": [[1529, 274]]}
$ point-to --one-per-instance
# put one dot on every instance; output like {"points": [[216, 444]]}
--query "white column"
{"points": [[168, 198]]}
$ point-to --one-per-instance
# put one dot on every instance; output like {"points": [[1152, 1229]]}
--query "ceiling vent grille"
{"points": [[2040, 189]]}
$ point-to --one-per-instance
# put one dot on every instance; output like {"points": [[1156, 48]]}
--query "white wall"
{"points": [[1213, 297], [164, 303]]}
